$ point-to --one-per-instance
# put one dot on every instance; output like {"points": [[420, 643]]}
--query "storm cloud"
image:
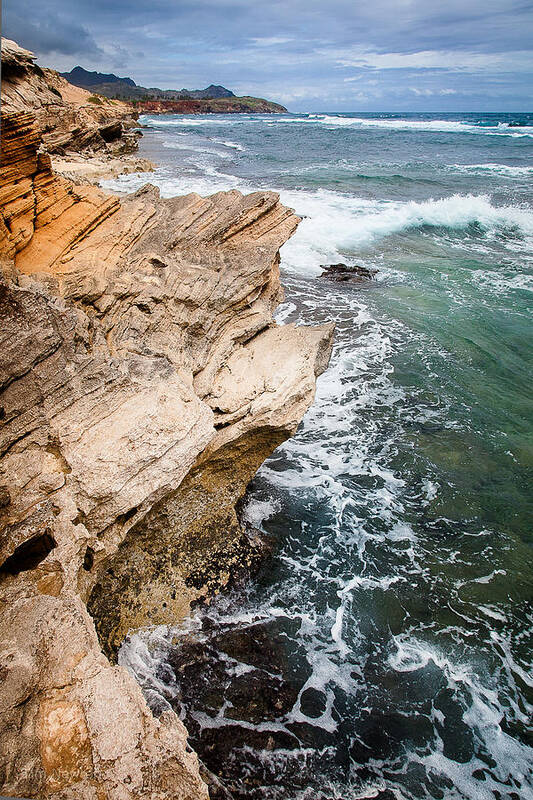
{"points": [[310, 55]]}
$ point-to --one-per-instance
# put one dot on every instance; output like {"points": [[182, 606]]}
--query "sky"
{"points": [[310, 55]]}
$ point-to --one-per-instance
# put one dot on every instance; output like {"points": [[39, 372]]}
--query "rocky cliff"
{"points": [[143, 382], [69, 119]]}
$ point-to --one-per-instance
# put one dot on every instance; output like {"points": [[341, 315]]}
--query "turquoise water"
{"points": [[385, 650]]}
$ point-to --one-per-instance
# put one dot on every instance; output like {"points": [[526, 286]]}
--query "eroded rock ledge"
{"points": [[143, 382], [74, 125]]}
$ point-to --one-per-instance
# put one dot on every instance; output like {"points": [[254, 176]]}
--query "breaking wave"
{"points": [[396, 124], [335, 224], [502, 170]]}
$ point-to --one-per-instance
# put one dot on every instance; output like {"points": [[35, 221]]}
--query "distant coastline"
{"points": [[222, 105], [214, 99]]}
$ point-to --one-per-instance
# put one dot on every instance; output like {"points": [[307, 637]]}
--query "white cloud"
{"points": [[451, 60], [269, 41]]}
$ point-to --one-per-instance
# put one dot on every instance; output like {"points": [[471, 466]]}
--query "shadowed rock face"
{"points": [[142, 382]]}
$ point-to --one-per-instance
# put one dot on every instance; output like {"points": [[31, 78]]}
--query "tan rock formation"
{"points": [[68, 118], [143, 382], [81, 169]]}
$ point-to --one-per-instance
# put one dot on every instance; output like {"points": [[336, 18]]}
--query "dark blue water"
{"points": [[385, 650]]}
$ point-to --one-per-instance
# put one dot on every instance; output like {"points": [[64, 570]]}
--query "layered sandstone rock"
{"points": [[143, 382], [68, 118]]}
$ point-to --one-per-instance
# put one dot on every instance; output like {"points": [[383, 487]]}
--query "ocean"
{"points": [[385, 648]]}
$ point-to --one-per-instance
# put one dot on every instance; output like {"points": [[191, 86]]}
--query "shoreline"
{"points": [[142, 394], [144, 379]]}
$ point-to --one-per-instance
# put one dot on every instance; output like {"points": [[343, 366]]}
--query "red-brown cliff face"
{"points": [[222, 105]]}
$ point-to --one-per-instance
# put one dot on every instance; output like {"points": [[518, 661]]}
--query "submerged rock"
{"points": [[243, 702]]}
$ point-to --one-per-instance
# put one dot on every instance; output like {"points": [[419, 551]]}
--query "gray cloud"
{"points": [[310, 54], [53, 33]]}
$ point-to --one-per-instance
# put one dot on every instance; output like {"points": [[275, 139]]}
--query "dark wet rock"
{"points": [[342, 273], [313, 703], [261, 544], [217, 790], [384, 735], [313, 736], [256, 697], [230, 681], [258, 645]]}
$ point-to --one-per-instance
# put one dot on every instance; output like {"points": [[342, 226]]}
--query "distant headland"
{"points": [[212, 99]]}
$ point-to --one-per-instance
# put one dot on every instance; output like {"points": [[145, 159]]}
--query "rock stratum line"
{"points": [[143, 381]]}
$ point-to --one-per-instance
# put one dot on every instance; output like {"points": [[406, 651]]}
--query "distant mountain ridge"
{"points": [[112, 86], [86, 80]]}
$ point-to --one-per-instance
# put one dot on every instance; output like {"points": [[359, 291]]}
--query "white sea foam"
{"points": [[493, 613], [503, 170], [334, 224], [430, 490], [334, 121], [171, 121], [501, 281], [257, 512], [143, 654], [483, 579], [228, 143], [431, 125], [178, 144], [283, 312], [206, 181], [455, 212]]}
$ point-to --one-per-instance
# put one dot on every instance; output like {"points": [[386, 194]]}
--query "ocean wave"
{"points": [[289, 120], [503, 170], [171, 121], [334, 225], [435, 125], [175, 144], [228, 143], [456, 212]]}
